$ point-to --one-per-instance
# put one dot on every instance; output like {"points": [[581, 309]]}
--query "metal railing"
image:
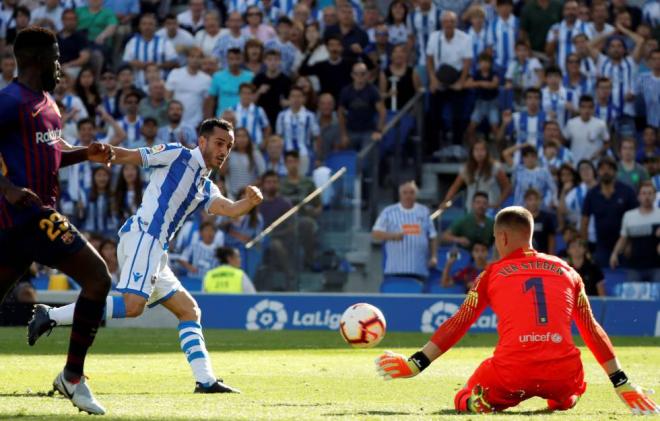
{"points": [[369, 154]]}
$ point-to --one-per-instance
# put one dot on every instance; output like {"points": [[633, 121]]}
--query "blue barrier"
{"points": [[404, 313]]}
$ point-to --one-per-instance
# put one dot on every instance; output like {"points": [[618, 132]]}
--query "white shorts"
{"points": [[143, 268]]}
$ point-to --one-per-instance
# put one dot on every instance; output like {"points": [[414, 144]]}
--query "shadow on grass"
{"points": [[154, 341]]}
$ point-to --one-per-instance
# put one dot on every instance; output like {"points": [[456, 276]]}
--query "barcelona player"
{"points": [[535, 297], [31, 230]]}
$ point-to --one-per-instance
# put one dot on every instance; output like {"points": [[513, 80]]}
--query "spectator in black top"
{"points": [[87, 90], [545, 225], [361, 111], [272, 86], [22, 20], [607, 202], [486, 85], [73, 44], [353, 37], [399, 81], [640, 230], [592, 276], [620, 6], [335, 72]]}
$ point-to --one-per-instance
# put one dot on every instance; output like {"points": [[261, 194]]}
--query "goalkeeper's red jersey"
{"points": [[535, 297]]}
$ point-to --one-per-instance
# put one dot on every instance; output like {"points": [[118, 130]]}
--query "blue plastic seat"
{"points": [[454, 289], [40, 282], [191, 283], [401, 285], [613, 277]]}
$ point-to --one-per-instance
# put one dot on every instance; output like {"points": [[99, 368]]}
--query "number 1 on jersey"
{"points": [[539, 299]]}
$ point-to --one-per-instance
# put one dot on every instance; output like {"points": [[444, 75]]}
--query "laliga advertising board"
{"points": [[404, 313]]}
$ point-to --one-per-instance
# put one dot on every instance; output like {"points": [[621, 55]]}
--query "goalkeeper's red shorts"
{"points": [[503, 389]]}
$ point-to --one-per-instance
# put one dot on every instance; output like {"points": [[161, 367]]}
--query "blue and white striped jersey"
{"points": [[538, 178], [563, 35], [622, 75], [606, 112], [254, 119], [421, 24], [574, 202], [479, 43], [410, 255], [524, 75], [157, 50], [133, 132], [554, 103], [239, 6], [178, 186], [585, 86], [202, 256], [649, 89], [298, 130], [502, 35], [226, 43]]}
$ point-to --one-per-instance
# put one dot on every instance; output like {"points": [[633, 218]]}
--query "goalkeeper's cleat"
{"points": [[637, 399], [477, 403], [79, 394], [40, 323], [564, 405], [217, 387]]}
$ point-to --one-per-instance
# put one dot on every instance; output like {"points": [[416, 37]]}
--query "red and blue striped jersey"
{"points": [[30, 129]]}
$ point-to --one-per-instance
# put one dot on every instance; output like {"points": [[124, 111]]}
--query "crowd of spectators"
{"points": [[557, 103]]}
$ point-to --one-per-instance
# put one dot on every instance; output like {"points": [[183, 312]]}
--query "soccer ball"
{"points": [[362, 325]]}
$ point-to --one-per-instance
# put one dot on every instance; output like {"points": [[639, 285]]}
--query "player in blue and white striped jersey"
{"points": [[423, 20], [502, 34], [559, 41], [146, 47], [409, 235], [250, 116], [299, 128], [178, 187]]}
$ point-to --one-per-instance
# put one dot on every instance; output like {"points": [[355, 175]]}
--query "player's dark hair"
{"points": [[84, 121], [516, 219], [586, 98], [225, 253], [208, 125], [480, 193], [292, 154], [33, 40]]}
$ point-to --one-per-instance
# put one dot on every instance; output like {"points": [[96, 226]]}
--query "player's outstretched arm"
{"points": [[601, 347], [96, 152], [394, 366], [126, 156], [224, 207]]}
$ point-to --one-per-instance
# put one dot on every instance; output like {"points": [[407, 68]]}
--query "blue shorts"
{"points": [[486, 109]]}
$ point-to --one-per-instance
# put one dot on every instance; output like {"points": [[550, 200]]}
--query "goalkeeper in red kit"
{"points": [[535, 297]]}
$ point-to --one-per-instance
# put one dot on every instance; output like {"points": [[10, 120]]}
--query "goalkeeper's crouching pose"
{"points": [[535, 297]]}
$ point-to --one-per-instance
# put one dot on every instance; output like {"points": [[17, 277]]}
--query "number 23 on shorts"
{"points": [[55, 226]]}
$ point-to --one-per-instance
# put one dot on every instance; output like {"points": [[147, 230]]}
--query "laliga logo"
{"points": [[266, 315], [439, 312]]}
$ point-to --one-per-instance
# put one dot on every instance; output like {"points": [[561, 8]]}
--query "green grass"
{"points": [[142, 375]]}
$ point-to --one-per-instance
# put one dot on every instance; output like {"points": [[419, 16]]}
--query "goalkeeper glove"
{"points": [[394, 366], [633, 396]]}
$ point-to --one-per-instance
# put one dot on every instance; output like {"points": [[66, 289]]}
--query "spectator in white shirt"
{"points": [[192, 20], [598, 26], [190, 86], [448, 60], [588, 136], [180, 38], [51, 10], [209, 36]]}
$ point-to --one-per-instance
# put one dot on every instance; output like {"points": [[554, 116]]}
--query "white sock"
{"points": [[193, 346], [114, 308]]}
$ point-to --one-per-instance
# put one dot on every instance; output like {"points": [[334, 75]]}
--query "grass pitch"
{"points": [[142, 375]]}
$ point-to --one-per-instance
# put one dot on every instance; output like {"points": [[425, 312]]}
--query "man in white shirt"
{"points": [[180, 38], [588, 135], [449, 51], [209, 36], [51, 10], [598, 26], [190, 86]]}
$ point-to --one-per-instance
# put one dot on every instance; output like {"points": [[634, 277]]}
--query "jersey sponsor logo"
{"points": [[439, 312], [49, 137], [411, 229], [137, 276], [267, 315], [541, 337]]}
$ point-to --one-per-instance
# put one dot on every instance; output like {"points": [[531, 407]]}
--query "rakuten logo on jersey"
{"points": [[541, 337], [50, 137]]}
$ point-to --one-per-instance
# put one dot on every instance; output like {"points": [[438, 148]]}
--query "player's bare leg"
{"points": [[8, 277], [185, 308], [90, 271]]}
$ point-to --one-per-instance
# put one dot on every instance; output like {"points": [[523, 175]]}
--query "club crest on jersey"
{"points": [[158, 148], [67, 237], [49, 137]]}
